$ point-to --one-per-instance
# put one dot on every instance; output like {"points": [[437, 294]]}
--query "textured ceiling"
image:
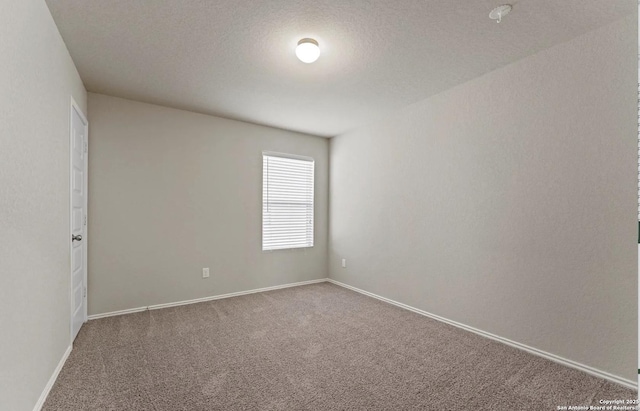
{"points": [[235, 58]]}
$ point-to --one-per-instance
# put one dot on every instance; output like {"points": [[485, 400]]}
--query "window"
{"points": [[287, 201]]}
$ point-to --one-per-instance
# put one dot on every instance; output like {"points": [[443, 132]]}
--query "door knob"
{"points": [[76, 237]]}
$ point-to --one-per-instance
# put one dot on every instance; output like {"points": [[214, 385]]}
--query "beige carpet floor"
{"points": [[315, 347]]}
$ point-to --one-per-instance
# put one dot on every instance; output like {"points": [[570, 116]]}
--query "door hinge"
{"points": [[85, 292], [85, 219], [86, 147]]}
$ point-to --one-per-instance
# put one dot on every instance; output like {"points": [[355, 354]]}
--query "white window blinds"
{"points": [[287, 202]]}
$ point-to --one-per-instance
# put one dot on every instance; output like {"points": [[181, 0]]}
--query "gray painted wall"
{"points": [[171, 192], [507, 203], [37, 80]]}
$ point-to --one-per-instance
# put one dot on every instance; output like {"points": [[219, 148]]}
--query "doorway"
{"points": [[79, 149]]}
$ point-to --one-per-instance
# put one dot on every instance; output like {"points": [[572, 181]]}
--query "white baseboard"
{"points": [[115, 313], [52, 380], [555, 358], [204, 299]]}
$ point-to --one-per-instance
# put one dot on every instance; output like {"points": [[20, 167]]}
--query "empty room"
{"points": [[319, 205]]}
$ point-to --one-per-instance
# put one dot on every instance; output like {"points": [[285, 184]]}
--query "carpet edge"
{"points": [[540, 353], [52, 379], [204, 299]]}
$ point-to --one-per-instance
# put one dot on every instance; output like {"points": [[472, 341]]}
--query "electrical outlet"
{"points": [[344, 263], [205, 272]]}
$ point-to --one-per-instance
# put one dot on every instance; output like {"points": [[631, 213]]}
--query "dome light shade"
{"points": [[307, 50]]}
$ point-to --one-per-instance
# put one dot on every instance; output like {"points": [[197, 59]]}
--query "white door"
{"points": [[79, 149]]}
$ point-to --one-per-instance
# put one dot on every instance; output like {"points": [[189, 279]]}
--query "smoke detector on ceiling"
{"points": [[499, 12]]}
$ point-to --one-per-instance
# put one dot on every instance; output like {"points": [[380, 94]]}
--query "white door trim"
{"points": [[76, 107]]}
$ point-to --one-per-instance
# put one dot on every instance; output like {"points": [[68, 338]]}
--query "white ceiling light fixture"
{"points": [[307, 50], [499, 12]]}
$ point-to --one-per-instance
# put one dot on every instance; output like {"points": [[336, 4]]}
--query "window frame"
{"points": [[310, 239]]}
